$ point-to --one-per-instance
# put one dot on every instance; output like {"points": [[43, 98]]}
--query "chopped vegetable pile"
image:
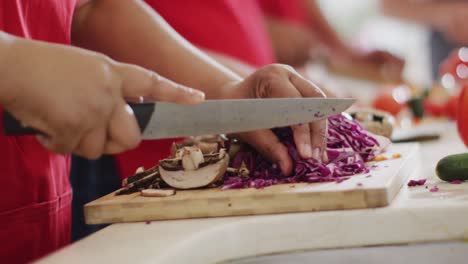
{"points": [[349, 147]]}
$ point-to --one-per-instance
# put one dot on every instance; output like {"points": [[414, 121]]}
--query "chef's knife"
{"points": [[167, 120]]}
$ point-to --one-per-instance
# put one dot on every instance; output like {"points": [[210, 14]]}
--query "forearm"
{"points": [[427, 12], [6, 43], [129, 31], [18, 56], [281, 36], [322, 29], [240, 68]]}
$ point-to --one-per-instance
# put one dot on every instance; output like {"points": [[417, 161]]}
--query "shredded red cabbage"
{"points": [[413, 183], [349, 146], [434, 189]]}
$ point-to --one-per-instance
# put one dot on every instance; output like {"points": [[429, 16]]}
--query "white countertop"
{"points": [[416, 215]]}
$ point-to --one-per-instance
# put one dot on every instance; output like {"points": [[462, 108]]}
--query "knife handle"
{"points": [[13, 127]]}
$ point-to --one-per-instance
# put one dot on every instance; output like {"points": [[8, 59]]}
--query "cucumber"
{"points": [[453, 167]]}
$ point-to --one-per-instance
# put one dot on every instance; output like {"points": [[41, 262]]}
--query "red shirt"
{"points": [[230, 27], [291, 10], [35, 203]]}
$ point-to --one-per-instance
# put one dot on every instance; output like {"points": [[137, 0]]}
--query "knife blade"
{"points": [[167, 120]]}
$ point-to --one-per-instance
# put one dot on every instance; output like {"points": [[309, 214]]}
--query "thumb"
{"points": [[267, 144], [139, 82]]}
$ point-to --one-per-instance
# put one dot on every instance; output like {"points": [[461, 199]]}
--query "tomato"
{"points": [[462, 119], [449, 65], [433, 108], [392, 99], [451, 107], [456, 64], [435, 104]]}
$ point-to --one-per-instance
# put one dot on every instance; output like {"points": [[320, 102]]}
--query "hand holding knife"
{"points": [[283, 98], [168, 120]]}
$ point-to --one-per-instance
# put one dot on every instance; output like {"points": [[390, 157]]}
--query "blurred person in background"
{"points": [[447, 20], [299, 31]]}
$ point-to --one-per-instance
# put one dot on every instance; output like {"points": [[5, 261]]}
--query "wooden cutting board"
{"points": [[360, 191]]}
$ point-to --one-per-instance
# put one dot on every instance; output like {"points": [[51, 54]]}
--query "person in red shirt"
{"points": [[78, 99], [446, 21], [228, 29]]}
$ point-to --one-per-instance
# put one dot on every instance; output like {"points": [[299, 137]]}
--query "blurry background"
{"points": [[360, 21]]}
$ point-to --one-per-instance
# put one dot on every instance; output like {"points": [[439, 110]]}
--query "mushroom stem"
{"points": [[242, 171], [209, 172], [142, 183], [139, 175]]}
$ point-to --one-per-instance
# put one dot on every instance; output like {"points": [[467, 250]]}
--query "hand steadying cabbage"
{"points": [[349, 146]]}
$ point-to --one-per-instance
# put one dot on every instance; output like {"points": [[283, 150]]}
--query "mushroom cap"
{"points": [[157, 192], [189, 179]]}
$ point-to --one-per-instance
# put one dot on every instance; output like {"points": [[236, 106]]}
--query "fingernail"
{"points": [[316, 154], [201, 95], [195, 92], [307, 150], [129, 110]]}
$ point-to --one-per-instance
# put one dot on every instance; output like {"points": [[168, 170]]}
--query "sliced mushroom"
{"points": [[140, 184], [241, 171], [140, 169], [208, 172], [207, 144], [191, 157], [140, 173], [234, 148], [157, 193], [143, 180], [208, 147]]}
